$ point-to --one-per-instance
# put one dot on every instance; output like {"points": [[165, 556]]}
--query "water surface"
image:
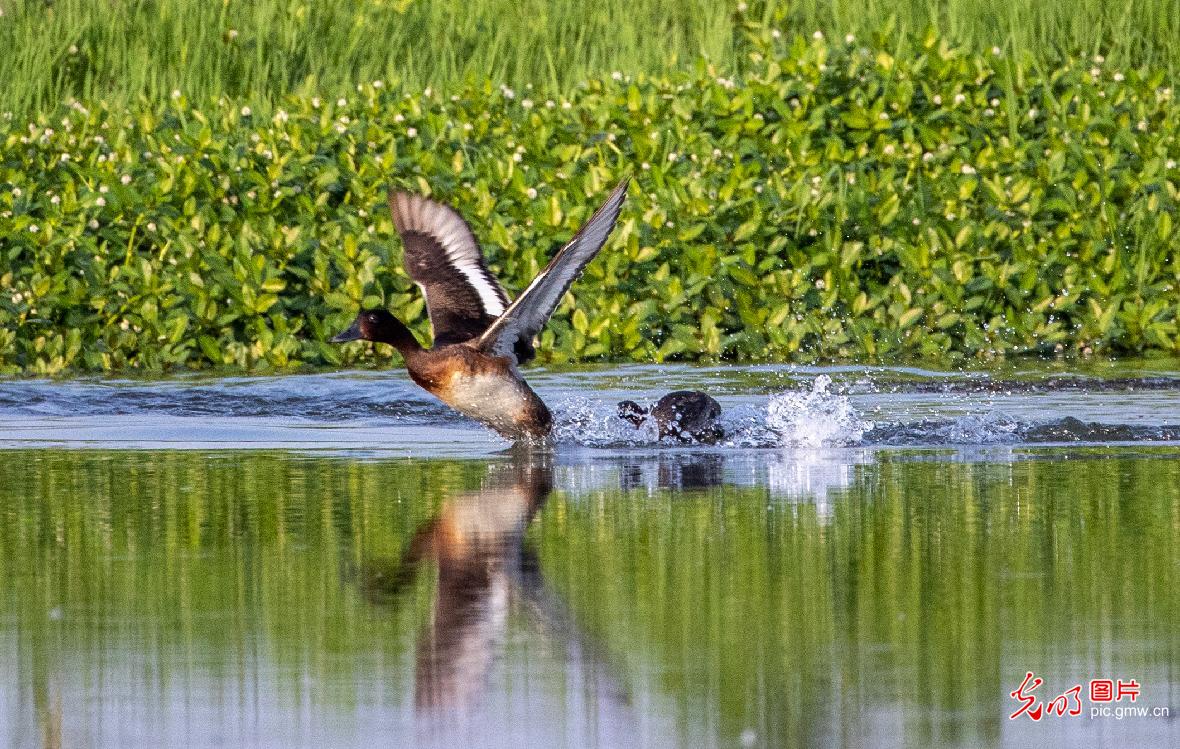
{"points": [[875, 557], [765, 406]]}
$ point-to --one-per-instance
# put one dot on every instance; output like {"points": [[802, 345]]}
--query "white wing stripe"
{"points": [[432, 219], [492, 303]]}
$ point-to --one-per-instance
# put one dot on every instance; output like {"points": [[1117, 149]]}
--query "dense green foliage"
{"points": [[837, 201], [121, 50]]}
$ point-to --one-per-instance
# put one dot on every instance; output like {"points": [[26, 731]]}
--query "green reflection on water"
{"points": [[320, 596]]}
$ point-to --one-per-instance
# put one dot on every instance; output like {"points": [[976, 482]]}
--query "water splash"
{"points": [[805, 418], [582, 421], [815, 418]]}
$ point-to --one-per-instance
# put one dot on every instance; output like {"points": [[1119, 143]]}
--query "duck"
{"points": [[682, 416], [480, 338]]}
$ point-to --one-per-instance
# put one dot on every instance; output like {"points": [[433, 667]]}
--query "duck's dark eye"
{"points": [[371, 317]]}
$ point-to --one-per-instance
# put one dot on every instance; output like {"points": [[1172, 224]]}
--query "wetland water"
{"points": [[875, 557]]}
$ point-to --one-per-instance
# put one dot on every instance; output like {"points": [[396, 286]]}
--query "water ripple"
{"points": [[325, 397], [763, 407]]}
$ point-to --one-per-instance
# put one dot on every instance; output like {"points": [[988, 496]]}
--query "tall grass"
{"points": [[263, 49], [129, 49]]}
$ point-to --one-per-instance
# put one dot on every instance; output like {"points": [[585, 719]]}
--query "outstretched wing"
{"points": [[442, 256], [512, 333]]}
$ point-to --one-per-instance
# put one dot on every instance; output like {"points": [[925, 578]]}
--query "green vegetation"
{"points": [[838, 200], [923, 587], [258, 51]]}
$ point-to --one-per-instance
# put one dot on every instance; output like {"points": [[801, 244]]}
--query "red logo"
{"points": [[1101, 690], [1128, 689], [1028, 700], [1069, 702]]}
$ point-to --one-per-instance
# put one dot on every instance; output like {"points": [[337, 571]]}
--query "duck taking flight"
{"points": [[479, 337]]}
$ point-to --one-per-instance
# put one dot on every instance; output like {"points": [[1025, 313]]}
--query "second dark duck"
{"points": [[682, 415]]}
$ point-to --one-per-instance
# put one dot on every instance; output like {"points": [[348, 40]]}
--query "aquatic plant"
{"points": [[836, 201]]}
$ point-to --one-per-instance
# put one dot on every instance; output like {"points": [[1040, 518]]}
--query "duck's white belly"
{"points": [[501, 403]]}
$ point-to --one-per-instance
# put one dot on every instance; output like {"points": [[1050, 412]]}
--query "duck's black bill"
{"points": [[352, 334]]}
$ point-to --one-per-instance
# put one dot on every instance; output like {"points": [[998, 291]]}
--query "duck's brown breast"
{"points": [[488, 390]]}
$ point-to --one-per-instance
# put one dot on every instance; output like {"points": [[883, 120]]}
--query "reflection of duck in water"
{"points": [[674, 470], [484, 570], [682, 415]]}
